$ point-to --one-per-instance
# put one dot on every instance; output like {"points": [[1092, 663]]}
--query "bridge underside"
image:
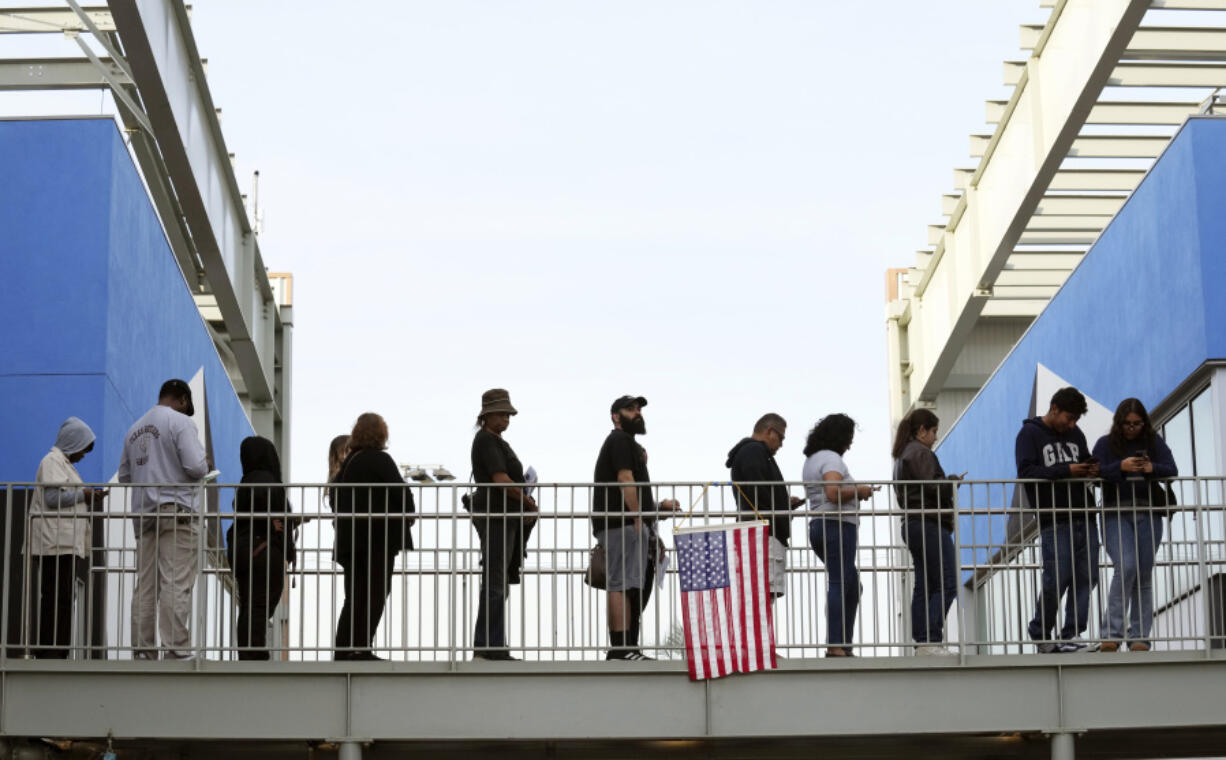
{"points": [[1153, 705]]}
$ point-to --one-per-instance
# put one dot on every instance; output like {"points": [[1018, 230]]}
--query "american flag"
{"points": [[725, 599]]}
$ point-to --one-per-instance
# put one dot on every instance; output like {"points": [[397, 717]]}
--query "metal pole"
{"points": [[8, 543], [1062, 747], [350, 751], [1206, 602]]}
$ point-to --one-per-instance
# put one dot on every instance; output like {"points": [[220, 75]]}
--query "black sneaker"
{"points": [[637, 655], [500, 655]]}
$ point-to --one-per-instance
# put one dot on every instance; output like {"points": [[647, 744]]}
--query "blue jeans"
{"points": [[936, 578], [834, 542], [1070, 566], [1132, 540], [501, 550]]}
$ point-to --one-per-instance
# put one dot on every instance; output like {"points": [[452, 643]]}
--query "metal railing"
{"points": [[82, 606]]}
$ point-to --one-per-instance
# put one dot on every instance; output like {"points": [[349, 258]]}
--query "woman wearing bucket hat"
{"points": [[60, 535], [497, 509]]}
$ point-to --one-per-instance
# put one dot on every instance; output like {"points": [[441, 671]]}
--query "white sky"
{"points": [[691, 201]]}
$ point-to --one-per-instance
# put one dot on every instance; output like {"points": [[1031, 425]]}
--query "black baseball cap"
{"points": [[178, 389], [627, 401]]}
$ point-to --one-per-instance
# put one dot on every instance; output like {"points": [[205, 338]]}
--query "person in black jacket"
{"points": [[372, 528], [1052, 448], [752, 464], [927, 528], [260, 541], [502, 535], [1134, 461]]}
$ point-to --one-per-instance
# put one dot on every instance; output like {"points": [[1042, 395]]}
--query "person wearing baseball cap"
{"points": [[163, 449], [625, 535]]}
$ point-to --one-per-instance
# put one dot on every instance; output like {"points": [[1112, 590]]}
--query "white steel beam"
{"points": [[168, 74], [1115, 112], [1079, 205], [1177, 43], [1134, 74], [52, 20], [1097, 146], [1074, 56], [57, 74]]}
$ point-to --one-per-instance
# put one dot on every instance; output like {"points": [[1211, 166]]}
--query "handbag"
{"points": [[596, 574]]}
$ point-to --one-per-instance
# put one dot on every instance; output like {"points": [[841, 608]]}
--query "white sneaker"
{"points": [[933, 650]]}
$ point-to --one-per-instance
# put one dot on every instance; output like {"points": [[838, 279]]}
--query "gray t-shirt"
{"points": [[816, 466]]}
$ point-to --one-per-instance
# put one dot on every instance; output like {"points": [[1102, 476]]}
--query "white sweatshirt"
{"points": [[163, 447]]}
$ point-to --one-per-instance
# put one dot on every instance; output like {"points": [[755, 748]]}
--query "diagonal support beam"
{"points": [[1073, 59], [166, 69]]}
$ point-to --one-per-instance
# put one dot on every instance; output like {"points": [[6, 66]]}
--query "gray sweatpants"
{"points": [[167, 560]]}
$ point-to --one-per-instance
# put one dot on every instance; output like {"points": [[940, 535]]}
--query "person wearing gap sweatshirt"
{"points": [[1052, 448]]}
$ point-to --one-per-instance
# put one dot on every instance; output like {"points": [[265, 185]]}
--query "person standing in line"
{"points": [[752, 461], [1054, 449], [163, 449], [927, 528], [619, 526], [372, 529], [59, 534], [260, 545], [502, 537], [833, 533], [338, 449], [1133, 459]]}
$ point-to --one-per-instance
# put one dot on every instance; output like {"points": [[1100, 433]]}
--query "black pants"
{"points": [[260, 574], [56, 578], [368, 581], [502, 551]]}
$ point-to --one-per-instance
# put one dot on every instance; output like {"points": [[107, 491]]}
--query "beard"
{"points": [[634, 426]]}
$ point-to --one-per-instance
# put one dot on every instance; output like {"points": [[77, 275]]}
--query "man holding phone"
{"points": [[1054, 449]]}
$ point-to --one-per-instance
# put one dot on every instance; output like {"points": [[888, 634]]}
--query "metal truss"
{"points": [[151, 67], [1098, 99]]}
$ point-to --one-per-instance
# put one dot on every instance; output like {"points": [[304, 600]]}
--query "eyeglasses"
{"points": [[1137, 424]]}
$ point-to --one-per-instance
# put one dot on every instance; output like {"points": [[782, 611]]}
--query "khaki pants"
{"points": [[167, 554]]}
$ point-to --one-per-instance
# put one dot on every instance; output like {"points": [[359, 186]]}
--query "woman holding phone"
{"points": [[833, 533], [1133, 459], [927, 528]]}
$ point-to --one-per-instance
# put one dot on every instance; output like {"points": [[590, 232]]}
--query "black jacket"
{"points": [[752, 462], [933, 502], [356, 539], [264, 495]]}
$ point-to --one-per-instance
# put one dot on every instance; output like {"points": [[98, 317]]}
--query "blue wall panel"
{"points": [[102, 315], [1139, 315]]}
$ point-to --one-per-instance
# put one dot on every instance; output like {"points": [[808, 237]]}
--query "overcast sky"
{"points": [[691, 201]]}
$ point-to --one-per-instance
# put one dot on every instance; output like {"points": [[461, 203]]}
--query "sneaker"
{"points": [[1048, 647], [637, 655], [1138, 646], [1074, 646], [1109, 646], [933, 650], [838, 652]]}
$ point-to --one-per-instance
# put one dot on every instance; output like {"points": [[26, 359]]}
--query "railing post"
{"points": [[1202, 566], [454, 608], [8, 543], [350, 750], [200, 583]]}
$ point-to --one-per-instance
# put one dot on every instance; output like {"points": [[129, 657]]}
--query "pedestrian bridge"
{"points": [[1160, 704], [995, 697]]}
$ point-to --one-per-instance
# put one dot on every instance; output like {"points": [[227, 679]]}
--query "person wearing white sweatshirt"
{"points": [[162, 449]]}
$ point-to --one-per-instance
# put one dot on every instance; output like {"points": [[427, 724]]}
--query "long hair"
{"points": [[918, 419], [336, 455], [1116, 436], [834, 432], [369, 432]]}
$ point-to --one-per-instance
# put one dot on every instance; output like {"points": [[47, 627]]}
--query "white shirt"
{"points": [[62, 530], [817, 465], [163, 447]]}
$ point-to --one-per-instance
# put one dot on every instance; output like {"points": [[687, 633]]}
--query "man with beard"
{"points": [[625, 535]]}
